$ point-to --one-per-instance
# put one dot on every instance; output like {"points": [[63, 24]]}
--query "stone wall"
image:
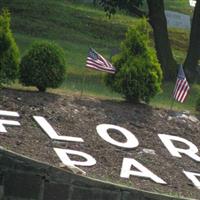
{"points": [[24, 179]]}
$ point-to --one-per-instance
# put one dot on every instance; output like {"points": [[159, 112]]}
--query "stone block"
{"points": [[22, 185], [1, 178], [83, 193], [133, 195], [1, 192], [53, 191], [142, 195]]}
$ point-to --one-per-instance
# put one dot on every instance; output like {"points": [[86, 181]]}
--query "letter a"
{"points": [[193, 177], [143, 171]]}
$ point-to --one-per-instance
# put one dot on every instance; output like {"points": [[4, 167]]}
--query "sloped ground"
{"points": [[74, 117]]}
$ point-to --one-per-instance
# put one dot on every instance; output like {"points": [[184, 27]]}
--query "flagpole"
{"points": [[96, 61], [82, 83], [172, 103], [172, 99]]}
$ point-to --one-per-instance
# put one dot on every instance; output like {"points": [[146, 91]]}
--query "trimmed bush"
{"points": [[9, 53], [138, 75], [43, 66]]}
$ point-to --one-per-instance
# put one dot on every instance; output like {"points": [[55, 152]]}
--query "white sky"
{"points": [[192, 3]]}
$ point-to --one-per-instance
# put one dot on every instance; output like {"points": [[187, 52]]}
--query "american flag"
{"points": [[181, 87], [98, 62]]}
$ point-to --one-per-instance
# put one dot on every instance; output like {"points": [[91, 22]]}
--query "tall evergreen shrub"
{"points": [[139, 74], [9, 53]]}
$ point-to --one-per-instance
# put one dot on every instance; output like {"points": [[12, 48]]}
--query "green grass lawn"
{"points": [[76, 27], [164, 99], [181, 6]]}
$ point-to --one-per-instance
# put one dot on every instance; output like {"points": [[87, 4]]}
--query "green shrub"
{"points": [[9, 53], [138, 76], [198, 104], [43, 66]]}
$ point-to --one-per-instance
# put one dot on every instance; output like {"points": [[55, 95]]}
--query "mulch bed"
{"points": [[71, 116]]}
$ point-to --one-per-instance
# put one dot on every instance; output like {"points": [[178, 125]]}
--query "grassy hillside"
{"points": [[179, 6], [76, 27]]}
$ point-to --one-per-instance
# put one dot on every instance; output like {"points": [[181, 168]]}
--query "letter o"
{"points": [[132, 141]]}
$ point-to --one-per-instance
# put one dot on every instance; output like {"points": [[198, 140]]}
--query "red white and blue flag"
{"points": [[182, 87], [98, 62]]}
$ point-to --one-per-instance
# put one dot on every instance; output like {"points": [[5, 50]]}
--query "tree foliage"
{"points": [[9, 53], [193, 54], [111, 6], [43, 66], [158, 22], [138, 75]]}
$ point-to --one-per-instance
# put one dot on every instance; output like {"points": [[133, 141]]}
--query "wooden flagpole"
{"points": [[172, 100], [83, 82], [172, 103], [93, 57], [82, 85]]}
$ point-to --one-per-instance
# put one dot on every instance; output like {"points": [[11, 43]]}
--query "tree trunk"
{"points": [[94, 2], [158, 22], [41, 88], [193, 54]]}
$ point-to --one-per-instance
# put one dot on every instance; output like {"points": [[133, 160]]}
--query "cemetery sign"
{"points": [[131, 142]]}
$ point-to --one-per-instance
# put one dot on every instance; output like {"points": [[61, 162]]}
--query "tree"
{"points": [[193, 54], [9, 53], [138, 75], [157, 20], [43, 66]]}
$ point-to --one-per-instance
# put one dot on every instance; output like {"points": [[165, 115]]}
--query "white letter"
{"points": [[8, 122], [9, 113], [47, 128], [193, 177], [191, 151], [62, 154], [143, 171], [131, 142]]}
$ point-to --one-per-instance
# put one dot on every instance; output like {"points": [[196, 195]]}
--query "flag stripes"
{"points": [[98, 62], [181, 87]]}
